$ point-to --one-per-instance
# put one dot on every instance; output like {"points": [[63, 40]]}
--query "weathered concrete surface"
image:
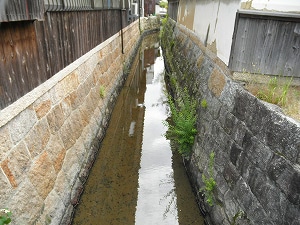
{"points": [[257, 149], [50, 137]]}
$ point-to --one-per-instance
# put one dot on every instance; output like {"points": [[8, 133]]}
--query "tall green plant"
{"points": [[182, 127]]}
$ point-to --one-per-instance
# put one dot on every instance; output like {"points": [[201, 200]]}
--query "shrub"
{"points": [[182, 127]]}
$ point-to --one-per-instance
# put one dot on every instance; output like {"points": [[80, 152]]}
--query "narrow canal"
{"points": [[136, 178]]}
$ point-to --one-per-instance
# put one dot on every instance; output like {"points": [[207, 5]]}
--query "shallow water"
{"points": [[136, 178]]}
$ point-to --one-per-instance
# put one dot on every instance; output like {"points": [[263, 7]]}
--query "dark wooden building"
{"points": [[149, 7], [266, 43], [38, 38]]}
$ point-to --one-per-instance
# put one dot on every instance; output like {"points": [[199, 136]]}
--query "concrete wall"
{"points": [[49, 137], [257, 148]]}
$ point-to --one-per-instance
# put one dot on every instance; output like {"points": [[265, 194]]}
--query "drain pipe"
{"points": [[122, 38], [140, 16]]}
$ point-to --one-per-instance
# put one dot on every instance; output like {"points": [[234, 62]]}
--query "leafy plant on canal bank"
{"points": [[5, 216], [209, 182], [182, 126]]}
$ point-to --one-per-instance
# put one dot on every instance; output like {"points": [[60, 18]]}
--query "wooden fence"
{"points": [[33, 51], [17, 10], [266, 43], [173, 9]]}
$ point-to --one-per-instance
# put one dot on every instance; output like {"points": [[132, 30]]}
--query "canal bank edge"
{"points": [[50, 136], [257, 148]]}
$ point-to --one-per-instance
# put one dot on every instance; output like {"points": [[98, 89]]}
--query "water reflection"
{"points": [[156, 195], [136, 179]]}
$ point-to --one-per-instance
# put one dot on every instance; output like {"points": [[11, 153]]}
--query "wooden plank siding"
{"points": [[17, 10], [33, 51], [173, 9], [266, 44]]}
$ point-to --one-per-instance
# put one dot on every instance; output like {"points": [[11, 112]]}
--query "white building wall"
{"points": [[214, 19], [276, 5]]}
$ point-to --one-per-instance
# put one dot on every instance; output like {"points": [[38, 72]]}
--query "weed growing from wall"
{"points": [[102, 91], [204, 103], [209, 182], [5, 216], [239, 214], [182, 127]]}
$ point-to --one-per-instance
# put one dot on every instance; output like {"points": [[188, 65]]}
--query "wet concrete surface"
{"points": [[136, 178]]}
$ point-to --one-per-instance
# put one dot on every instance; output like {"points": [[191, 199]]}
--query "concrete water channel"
{"points": [[137, 178]]}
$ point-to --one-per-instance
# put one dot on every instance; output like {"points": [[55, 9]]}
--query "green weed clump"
{"points": [[182, 127], [102, 91], [274, 93], [5, 216], [209, 182], [204, 103]]}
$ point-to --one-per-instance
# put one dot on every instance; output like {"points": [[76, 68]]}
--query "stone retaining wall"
{"points": [[49, 137], [257, 148]]}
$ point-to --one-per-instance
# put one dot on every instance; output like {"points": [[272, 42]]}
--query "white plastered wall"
{"points": [[214, 20]]}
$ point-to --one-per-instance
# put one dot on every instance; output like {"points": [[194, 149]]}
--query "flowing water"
{"points": [[136, 178]]}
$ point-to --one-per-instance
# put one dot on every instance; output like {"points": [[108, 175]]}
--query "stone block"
{"points": [[25, 204], [259, 154], [5, 142], [38, 137], [231, 175], [221, 184], [287, 178], [258, 119], [70, 83], [238, 132], [235, 152], [56, 118], [16, 164], [56, 152], [230, 123], [5, 188], [250, 204], [42, 175], [22, 124], [66, 108], [292, 215], [220, 136], [243, 105], [71, 167], [283, 137], [216, 82], [229, 94], [218, 215], [53, 210], [214, 107], [221, 157], [71, 130], [42, 108], [73, 100], [231, 206], [67, 215], [62, 187], [57, 93]]}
